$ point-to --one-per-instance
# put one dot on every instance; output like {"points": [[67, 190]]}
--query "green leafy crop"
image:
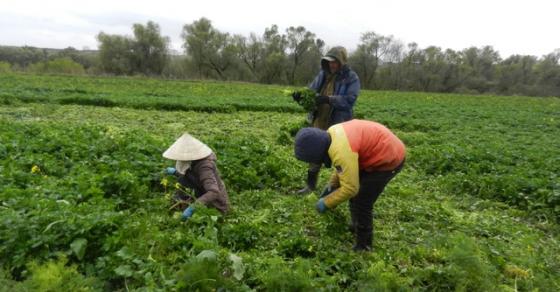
{"points": [[84, 201], [307, 99]]}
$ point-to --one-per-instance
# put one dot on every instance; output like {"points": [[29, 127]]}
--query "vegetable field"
{"points": [[84, 201]]}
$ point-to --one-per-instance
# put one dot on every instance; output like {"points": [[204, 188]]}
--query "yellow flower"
{"points": [[35, 169], [514, 271], [164, 182]]}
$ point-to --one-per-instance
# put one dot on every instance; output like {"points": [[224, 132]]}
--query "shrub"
{"points": [[5, 67], [57, 66]]}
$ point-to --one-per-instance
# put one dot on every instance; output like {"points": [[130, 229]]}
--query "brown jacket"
{"points": [[204, 179]]}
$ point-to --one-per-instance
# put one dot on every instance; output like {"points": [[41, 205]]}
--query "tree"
{"points": [[451, 78], [516, 75], [300, 43], [391, 73], [209, 48], [251, 53], [411, 67], [274, 59], [369, 55], [116, 53], [433, 66], [147, 52], [311, 63], [87, 60], [22, 56], [547, 72], [478, 68], [438, 70], [150, 52]]}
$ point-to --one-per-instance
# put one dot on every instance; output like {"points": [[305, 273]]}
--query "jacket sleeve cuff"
{"points": [[331, 200]]}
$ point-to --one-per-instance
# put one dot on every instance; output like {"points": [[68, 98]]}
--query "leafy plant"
{"points": [[475, 208], [307, 99]]}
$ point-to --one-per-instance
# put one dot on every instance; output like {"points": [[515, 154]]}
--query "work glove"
{"points": [[296, 95], [328, 189], [321, 99], [320, 206], [170, 170], [187, 213]]}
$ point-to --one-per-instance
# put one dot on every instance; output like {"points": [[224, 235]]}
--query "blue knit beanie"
{"points": [[312, 145]]}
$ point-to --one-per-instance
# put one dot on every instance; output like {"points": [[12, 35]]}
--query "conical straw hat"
{"points": [[187, 148]]}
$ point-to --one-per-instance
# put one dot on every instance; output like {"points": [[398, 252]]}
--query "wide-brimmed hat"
{"points": [[187, 148]]}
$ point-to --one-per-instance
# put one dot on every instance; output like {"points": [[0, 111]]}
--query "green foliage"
{"points": [[250, 164], [144, 93], [203, 273], [307, 101], [473, 209], [212, 51], [305, 50], [149, 49], [383, 62], [22, 56], [55, 276], [57, 66], [5, 67], [279, 277], [467, 265], [380, 276], [288, 132], [115, 53], [146, 53], [51, 276], [463, 266]]}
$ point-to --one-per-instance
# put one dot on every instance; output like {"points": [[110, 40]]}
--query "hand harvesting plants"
{"points": [[82, 181], [365, 156], [329, 100], [306, 98], [196, 169]]}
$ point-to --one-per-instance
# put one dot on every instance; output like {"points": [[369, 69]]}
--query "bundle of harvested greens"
{"points": [[307, 98]]}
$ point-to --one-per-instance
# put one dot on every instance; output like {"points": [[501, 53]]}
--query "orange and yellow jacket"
{"points": [[359, 145]]}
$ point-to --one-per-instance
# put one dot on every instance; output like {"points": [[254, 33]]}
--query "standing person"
{"points": [[195, 168], [366, 156], [337, 88]]}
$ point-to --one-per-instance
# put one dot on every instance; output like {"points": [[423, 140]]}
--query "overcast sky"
{"points": [[511, 27]]}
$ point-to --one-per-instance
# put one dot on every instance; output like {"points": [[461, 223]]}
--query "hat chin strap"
{"points": [[182, 166]]}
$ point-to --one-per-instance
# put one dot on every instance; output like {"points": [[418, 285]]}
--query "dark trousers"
{"points": [[372, 185]]}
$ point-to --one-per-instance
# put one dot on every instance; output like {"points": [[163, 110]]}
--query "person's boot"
{"points": [[312, 176], [363, 239]]}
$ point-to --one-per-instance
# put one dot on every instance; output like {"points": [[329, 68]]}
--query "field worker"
{"points": [[365, 155], [196, 169], [337, 88]]}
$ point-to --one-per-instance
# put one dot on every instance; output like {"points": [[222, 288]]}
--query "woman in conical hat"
{"points": [[195, 168]]}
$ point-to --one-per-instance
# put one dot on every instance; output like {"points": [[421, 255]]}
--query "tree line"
{"points": [[292, 57]]}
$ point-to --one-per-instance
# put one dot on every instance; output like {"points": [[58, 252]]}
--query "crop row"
{"points": [[79, 182]]}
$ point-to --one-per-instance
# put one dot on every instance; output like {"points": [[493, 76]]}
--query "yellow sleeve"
{"points": [[335, 181], [346, 168]]}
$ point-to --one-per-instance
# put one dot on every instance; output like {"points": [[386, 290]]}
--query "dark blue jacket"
{"points": [[346, 90]]}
